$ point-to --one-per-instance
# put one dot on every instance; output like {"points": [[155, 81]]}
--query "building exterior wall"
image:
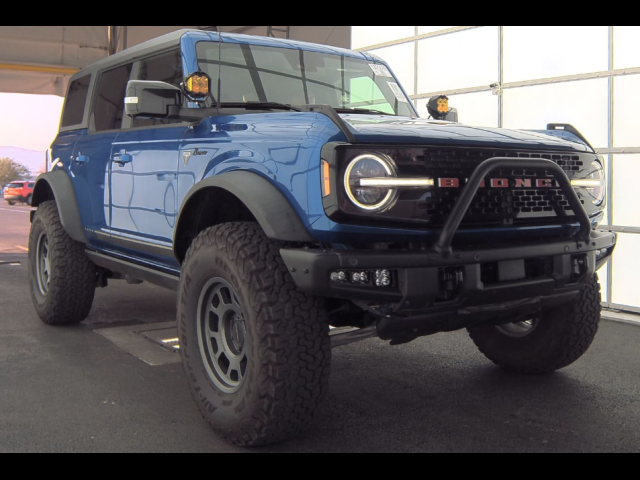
{"points": [[526, 77]]}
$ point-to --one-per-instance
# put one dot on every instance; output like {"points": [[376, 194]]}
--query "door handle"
{"points": [[122, 158]]}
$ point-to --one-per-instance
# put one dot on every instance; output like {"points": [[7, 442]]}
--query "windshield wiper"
{"points": [[260, 106], [363, 110]]}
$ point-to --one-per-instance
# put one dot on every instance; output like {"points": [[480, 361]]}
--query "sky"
{"points": [[29, 121]]}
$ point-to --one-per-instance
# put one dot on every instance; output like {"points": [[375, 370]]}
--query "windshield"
{"points": [[253, 73], [15, 185]]}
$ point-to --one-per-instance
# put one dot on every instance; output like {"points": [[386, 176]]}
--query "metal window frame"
{"points": [[611, 73]]}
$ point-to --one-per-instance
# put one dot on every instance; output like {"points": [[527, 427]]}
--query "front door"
{"points": [[144, 167]]}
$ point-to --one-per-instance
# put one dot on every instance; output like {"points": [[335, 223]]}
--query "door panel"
{"points": [[89, 169], [143, 191]]}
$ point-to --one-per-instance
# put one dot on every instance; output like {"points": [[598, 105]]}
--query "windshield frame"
{"points": [[389, 98]]}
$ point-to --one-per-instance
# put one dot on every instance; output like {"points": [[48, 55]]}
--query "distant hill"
{"points": [[31, 159]]}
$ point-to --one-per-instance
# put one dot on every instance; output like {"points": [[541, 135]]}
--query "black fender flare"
{"points": [[270, 208], [58, 184]]}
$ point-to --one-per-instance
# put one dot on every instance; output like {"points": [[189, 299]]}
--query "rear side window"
{"points": [[15, 185], [31, 185], [166, 67], [73, 113], [109, 104]]}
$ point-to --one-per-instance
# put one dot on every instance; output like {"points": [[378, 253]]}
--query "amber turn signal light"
{"points": [[326, 179]]}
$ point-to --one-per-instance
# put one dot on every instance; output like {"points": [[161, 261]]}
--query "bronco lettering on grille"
{"points": [[502, 183]]}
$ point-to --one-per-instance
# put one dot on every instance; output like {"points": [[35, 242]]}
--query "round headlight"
{"points": [[370, 199], [599, 191]]}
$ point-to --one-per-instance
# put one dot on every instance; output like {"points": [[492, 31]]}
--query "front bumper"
{"points": [[475, 285]]}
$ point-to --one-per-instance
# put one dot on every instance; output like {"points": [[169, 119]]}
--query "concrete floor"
{"points": [[72, 390]]}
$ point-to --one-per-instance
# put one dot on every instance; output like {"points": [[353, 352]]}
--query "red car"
{"points": [[19, 192]]}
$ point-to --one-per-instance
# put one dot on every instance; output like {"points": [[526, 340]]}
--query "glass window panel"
{"points": [[459, 60], [73, 113], [626, 121], [626, 263], [545, 52], [626, 169], [583, 104], [362, 37], [626, 53], [423, 30], [109, 102], [166, 67], [603, 277], [401, 59], [478, 109], [607, 159]]}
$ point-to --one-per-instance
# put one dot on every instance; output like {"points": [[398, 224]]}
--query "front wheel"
{"points": [[29, 198], [256, 350], [551, 341]]}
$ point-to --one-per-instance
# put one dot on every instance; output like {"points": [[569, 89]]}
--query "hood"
{"points": [[416, 131]]}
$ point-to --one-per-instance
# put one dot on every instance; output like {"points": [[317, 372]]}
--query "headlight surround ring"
{"points": [[599, 194], [379, 165]]}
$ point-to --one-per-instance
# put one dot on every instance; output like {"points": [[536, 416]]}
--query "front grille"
{"points": [[523, 201], [491, 206]]}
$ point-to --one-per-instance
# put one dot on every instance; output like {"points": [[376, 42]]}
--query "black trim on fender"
{"points": [[65, 196], [270, 208]]}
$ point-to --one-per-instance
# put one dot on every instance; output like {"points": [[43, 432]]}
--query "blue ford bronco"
{"points": [[294, 199]]}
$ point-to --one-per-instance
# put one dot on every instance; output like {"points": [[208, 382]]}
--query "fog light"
{"points": [[359, 277], [602, 253], [383, 278], [338, 277]]}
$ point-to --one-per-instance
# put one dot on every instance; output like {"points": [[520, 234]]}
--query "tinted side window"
{"points": [[166, 67], [109, 104], [31, 185], [76, 99]]}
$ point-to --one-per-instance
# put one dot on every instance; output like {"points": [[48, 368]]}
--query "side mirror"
{"points": [[151, 99]]}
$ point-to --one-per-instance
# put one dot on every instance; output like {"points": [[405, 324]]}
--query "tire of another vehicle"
{"points": [[67, 297], [11, 203], [560, 338], [286, 339], [29, 197]]}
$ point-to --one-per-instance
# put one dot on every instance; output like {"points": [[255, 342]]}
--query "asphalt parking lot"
{"points": [[72, 390]]}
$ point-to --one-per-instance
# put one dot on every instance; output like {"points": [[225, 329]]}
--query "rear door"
{"points": [[92, 155], [144, 185]]}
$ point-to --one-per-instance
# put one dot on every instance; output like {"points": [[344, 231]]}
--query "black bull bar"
{"points": [[485, 168]]}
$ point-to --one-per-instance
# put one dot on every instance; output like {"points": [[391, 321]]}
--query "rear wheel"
{"points": [[29, 197], [256, 351], [551, 341], [62, 278], [11, 203]]}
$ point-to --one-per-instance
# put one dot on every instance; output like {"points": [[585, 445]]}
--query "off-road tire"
{"points": [[73, 276], [287, 335], [562, 336]]}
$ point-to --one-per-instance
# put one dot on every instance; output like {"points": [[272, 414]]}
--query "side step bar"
{"points": [[146, 274]]}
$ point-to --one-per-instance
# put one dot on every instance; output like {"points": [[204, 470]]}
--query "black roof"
{"points": [[160, 43]]}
